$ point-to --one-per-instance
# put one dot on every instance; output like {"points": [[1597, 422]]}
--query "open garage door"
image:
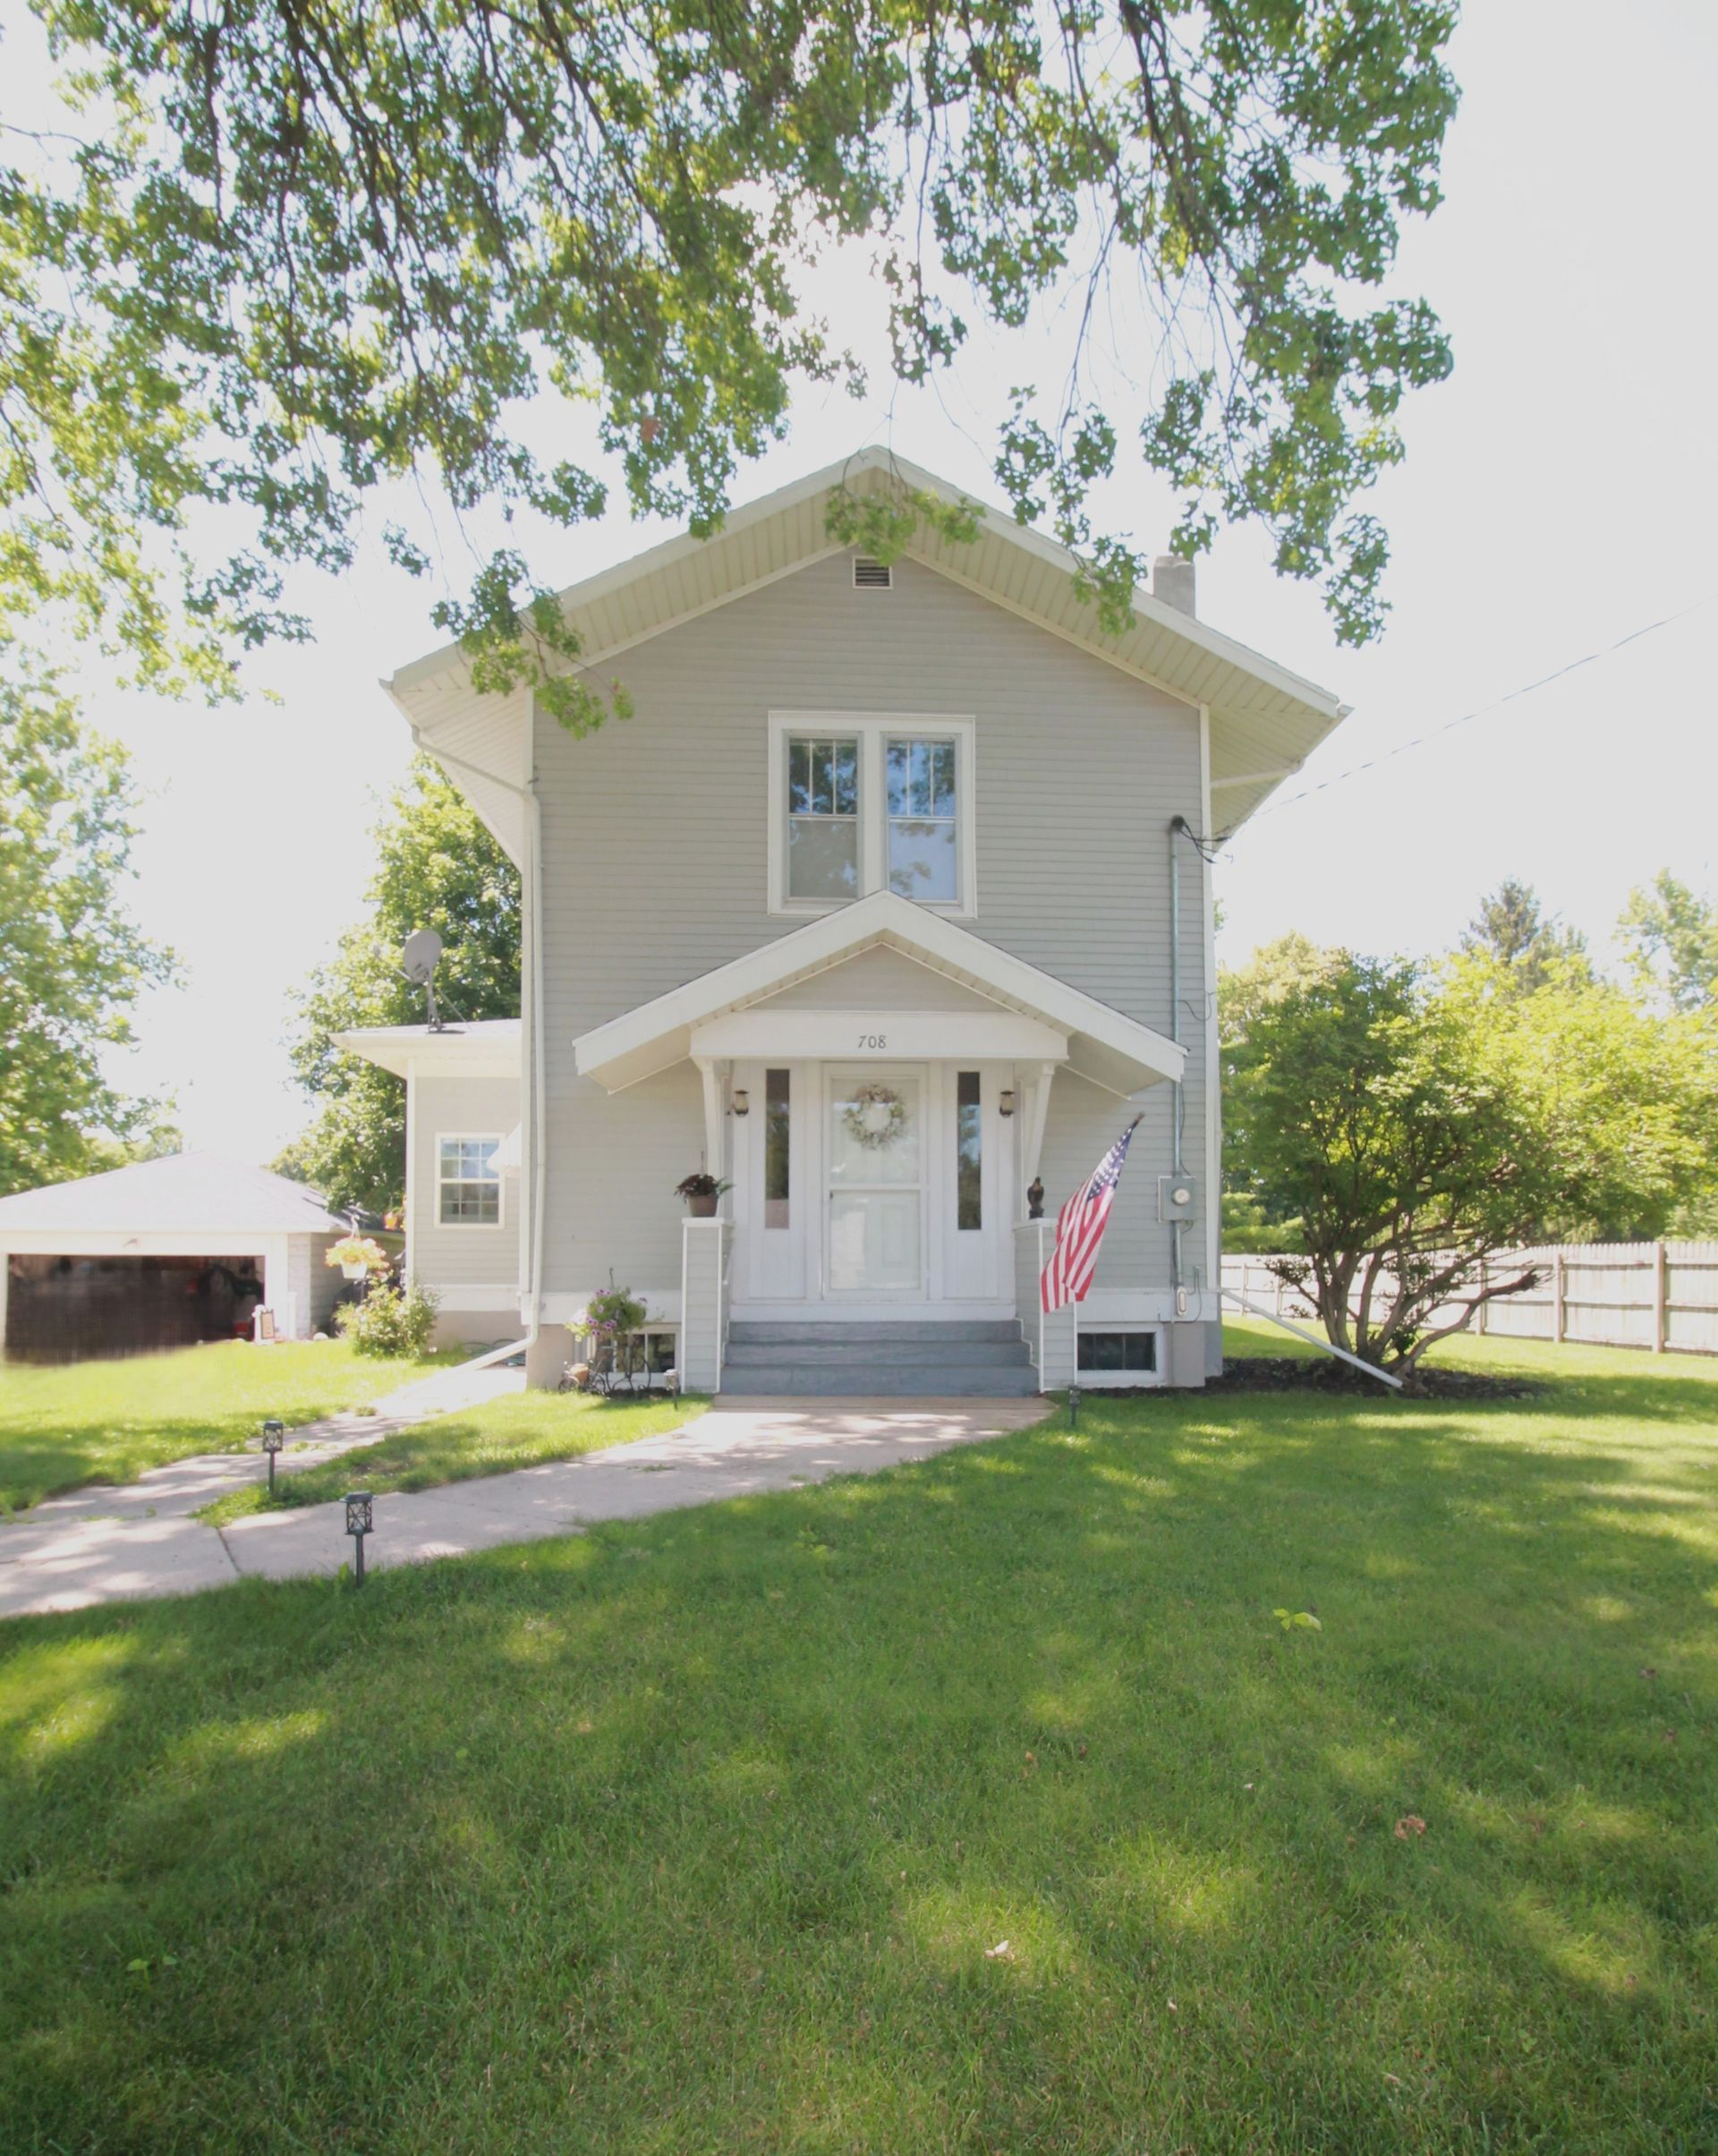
{"points": [[70, 1309]]}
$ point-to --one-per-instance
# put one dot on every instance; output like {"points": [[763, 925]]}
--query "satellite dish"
{"points": [[420, 956], [418, 962]]}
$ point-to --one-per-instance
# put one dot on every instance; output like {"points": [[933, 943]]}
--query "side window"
{"points": [[924, 821], [468, 1182], [822, 818]]}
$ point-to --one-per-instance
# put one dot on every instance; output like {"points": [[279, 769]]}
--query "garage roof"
{"points": [[190, 1191]]}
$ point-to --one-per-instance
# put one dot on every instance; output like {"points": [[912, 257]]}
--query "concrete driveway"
{"points": [[736, 1448]]}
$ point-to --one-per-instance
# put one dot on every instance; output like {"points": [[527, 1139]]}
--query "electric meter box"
{"points": [[1177, 1197]]}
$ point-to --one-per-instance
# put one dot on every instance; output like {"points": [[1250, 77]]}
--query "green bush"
{"points": [[389, 1322]]}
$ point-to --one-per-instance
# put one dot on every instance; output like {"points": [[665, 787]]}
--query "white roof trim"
{"points": [[1263, 713], [1113, 1051], [490, 1047]]}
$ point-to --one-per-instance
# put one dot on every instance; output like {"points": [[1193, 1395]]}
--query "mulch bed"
{"points": [[1297, 1373]]}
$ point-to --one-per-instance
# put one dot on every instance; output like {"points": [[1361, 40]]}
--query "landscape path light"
{"points": [[1074, 1407], [359, 1522], [274, 1436]]}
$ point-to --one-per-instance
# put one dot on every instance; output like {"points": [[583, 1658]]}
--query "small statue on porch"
{"points": [[1035, 1199]]}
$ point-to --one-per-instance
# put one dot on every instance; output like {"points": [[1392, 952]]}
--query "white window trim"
{"points": [[871, 729], [467, 1228]]}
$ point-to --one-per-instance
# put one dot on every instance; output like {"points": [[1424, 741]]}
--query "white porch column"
{"points": [[703, 1302]]}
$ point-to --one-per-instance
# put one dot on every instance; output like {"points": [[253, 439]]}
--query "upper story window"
{"points": [[864, 801], [468, 1183], [823, 820]]}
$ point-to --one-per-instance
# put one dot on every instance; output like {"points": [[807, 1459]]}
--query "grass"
{"points": [[704, 1834], [65, 1425], [518, 1431]]}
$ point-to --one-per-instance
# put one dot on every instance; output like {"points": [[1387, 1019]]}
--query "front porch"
{"points": [[876, 1090]]}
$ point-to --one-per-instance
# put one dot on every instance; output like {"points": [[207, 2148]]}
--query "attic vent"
{"points": [[871, 576]]}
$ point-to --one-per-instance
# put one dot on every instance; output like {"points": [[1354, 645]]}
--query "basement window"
{"points": [[1118, 1352]]}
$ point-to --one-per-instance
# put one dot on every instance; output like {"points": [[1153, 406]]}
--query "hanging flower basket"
{"points": [[875, 1116], [357, 1257]]}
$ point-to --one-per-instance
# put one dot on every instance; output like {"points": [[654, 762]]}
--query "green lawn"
{"points": [[109, 1422], [704, 1834], [520, 1430]]}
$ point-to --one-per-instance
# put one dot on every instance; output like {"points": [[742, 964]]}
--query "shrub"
{"points": [[389, 1321]]}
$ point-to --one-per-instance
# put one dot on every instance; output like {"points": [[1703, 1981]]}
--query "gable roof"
{"points": [[1265, 719], [1115, 1051], [195, 1192]]}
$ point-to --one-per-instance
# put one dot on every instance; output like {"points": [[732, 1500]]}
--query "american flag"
{"points": [[1079, 1229]]}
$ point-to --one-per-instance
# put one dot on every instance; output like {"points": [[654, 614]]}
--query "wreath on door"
{"points": [[875, 1116]]}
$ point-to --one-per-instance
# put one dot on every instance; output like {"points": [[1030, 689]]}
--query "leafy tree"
{"points": [[437, 867], [1671, 935], [1255, 1215], [1627, 1099], [288, 255], [1510, 927], [75, 962], [1362, 1101]]}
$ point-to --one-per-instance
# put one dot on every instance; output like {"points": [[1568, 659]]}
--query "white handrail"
{"points": [[1312, 1339]]}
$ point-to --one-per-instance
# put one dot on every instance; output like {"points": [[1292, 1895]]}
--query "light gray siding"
{"points": [[655, 870], [878, 979], [448, 1259]]}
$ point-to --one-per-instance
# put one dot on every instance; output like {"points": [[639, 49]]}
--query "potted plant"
{"points": [[357, 1257], [700, 1192]]}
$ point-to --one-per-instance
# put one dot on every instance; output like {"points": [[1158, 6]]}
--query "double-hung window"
{"points": [[864, 801], [822, 818], [923, 823], [468, 1183]]}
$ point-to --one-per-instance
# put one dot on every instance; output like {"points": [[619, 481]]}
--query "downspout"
{"points": [[1179, 827], [534, 1075]]}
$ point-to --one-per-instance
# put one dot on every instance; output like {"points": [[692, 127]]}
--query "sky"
{"points": [[1556, 497]]}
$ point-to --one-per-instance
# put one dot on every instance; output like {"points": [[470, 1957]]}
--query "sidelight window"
{"points": [[969, 1153], [777, 1159]]}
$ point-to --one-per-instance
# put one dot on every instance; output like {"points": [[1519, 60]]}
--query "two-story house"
{"points": [[888, 907]]}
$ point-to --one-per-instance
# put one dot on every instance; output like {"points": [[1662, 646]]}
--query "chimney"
{"points": [[1172, 582]]}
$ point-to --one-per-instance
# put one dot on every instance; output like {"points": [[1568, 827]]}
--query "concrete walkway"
{"points": [[734, 1449], [111, 1540]]}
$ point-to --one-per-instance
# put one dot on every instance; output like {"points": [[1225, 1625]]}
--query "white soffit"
{"points": [[1265, 719], [1114, 1051]]}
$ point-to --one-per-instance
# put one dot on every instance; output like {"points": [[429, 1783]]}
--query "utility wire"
{"points": [[1467, 718]]}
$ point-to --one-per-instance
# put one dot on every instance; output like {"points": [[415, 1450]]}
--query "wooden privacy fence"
{"points": [[1658, 1296]]}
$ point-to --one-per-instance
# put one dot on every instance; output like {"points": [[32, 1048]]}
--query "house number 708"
{"points": [[873, 1040]]}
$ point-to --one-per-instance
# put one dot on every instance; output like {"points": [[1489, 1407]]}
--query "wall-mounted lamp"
{"points": [[1005, 1100], [741, 1101]]}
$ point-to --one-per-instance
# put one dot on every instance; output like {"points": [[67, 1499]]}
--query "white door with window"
{"points": [[875, 1149]]}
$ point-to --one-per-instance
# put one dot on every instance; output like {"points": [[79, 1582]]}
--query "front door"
{"points": [[875, 1152]]}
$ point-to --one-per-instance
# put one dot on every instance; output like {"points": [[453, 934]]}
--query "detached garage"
{"points": [[162, 1254]]}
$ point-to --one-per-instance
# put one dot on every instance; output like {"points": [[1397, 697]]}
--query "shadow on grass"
{"points": [[706, 1834]]}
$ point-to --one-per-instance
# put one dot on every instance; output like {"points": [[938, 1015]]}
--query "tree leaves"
{"points": [[299, 254], [75, 964], [435, 867]]}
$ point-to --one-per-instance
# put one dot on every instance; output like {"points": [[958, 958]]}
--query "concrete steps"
{"points": [[897, 1359]]}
